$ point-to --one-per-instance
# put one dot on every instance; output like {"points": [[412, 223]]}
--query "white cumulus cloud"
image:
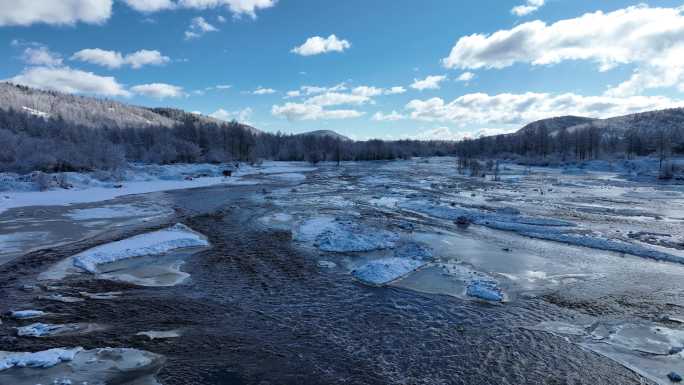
{"points": [[114, 59], [466, 77], [527, 8], [41, 56], [158, 90], [650, 38], [318, 45], [241, 116], [370, 91], [237, 7], [150, 5], [395, 90], [429, 83], [264, 91], [68, 80], [506, 108], [198, 27], [337, 98], [446, 133], [304, 111], [59, 12], [391, 117]]}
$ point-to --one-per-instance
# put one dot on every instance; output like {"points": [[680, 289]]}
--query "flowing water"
{"points": [[259, 307]]}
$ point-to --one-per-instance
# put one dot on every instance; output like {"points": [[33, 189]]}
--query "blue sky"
{"points": [[388, 69]]}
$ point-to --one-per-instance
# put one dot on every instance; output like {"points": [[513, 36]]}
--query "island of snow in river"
{"points": [[154, 243]]}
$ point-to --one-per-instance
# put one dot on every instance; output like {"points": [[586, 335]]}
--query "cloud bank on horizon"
{"points": [[296, 66]]}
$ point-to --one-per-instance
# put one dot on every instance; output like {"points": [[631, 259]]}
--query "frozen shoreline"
{"points": [[139, 180]]}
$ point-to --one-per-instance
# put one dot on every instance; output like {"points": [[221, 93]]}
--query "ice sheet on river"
{"points": [[650, 349], [485, 289], [153, 243], [44, 359], [541, 228], [344, 236], [385, 270], [27, 314], [49, 330], [79, 366]]}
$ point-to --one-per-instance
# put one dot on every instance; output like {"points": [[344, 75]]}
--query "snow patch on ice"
{"points": [[308, 230], [42, 359], [346, 237], [485, 289], [386, 270], [541, 228], [327, 264], [390, 202], [154, 243], [46, 330], [649, 349], [153, 335], [27, 314], [413, 250], [78, 366]]}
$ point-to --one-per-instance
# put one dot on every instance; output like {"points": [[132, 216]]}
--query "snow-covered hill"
{"points": [[92, 112], [553, 125], [81, 110], [646, 124]]}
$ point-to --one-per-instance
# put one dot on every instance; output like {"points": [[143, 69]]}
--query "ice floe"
{"points": [[485, 289], [308, 230], [48, 330], [27, 314], [386, 270], [348, 236], [413, 250], [60, 298], [650, 349], [327, 264], [79, 366], [43, 359], [343, 236], [541, 228], [153, 335], [153, 243], [280, 221], [101, 296]]}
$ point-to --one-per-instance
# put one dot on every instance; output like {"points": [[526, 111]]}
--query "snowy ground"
{"points": [[601, 245], [21, 191], [30, 219]]}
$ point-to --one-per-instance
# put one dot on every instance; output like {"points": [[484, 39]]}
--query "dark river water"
{"points": [[259, 310]]}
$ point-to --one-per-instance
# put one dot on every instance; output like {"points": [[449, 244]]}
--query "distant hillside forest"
{"points": [[31, 142], [576, 139]]}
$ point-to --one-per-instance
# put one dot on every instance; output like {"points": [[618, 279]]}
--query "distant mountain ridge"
{"points": [[326, 133], [645, 123]]}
